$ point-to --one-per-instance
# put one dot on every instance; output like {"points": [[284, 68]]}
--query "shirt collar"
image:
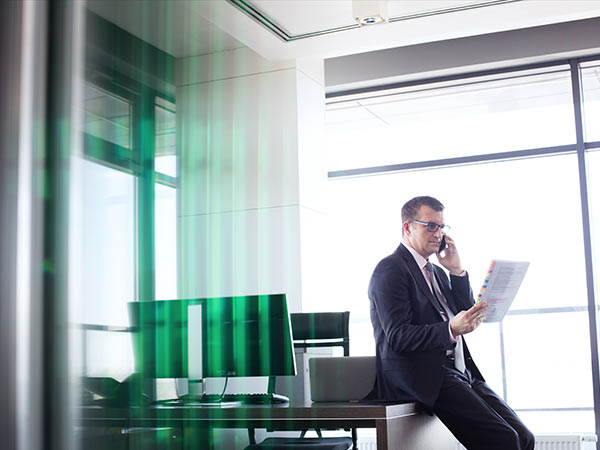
{"points": [[421, 262]]}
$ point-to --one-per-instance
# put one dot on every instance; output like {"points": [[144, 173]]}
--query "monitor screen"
{"points": [[241, 336]]}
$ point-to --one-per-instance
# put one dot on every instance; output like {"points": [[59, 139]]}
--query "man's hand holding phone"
{"points": [[449, 258], [442, 244]]}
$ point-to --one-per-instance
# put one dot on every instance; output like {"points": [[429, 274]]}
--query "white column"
{"points": [[252, 175], [312, 169]]}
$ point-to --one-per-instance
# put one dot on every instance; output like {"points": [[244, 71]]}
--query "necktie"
{"points": [[459, 357]]}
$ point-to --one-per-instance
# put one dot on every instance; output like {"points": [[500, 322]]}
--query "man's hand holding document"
{"points": [[500, 287]]}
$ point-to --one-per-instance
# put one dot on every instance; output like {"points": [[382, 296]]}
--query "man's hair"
{"points": [[410, 210]]}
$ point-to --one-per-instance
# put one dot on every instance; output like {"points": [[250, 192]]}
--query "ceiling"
{"points": [[173, 26], [290, 29]]}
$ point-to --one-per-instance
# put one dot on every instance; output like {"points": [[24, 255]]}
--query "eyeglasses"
{"points": [[432, 227]]}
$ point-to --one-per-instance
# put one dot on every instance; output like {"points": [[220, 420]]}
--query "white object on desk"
{"points": [[341, 379]]}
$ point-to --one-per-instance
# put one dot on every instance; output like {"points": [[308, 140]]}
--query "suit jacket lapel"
{"points": [[418, 276]]}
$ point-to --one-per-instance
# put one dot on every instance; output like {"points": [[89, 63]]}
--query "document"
{"points": [[500, 287]]}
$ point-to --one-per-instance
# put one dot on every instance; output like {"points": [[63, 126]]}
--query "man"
{"points": [[419, 318]]}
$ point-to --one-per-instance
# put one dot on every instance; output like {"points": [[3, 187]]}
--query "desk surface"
{"points": [[342, 410], [354, 411], [401, 426]]}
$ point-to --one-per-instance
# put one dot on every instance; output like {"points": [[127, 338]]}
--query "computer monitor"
{"points": [[241, 336]]}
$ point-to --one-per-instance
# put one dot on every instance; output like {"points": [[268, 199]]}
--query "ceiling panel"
{"points": [[303, 17], [186, 28]]}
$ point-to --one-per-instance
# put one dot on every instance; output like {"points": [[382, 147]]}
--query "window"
{"points": [[123, 214], [107, 116], [165, 209], [475, 116], [102, 266], [500, 152], [593, 158], [104, 257], [165, 161], [166, 242], [590, 75]]}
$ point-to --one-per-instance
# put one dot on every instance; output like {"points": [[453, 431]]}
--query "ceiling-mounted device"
{"points": [[369, 12]]}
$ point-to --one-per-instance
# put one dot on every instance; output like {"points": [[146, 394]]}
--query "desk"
{"points": [[398, 426]]}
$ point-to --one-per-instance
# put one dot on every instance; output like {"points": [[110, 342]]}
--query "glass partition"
{"points": [[123, 236], [103, 230]]}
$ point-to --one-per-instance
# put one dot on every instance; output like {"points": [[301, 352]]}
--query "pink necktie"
{"points": [[459, 357]]}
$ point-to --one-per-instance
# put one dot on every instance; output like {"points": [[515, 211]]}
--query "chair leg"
{"points": [[251, 436], [354, 439]]}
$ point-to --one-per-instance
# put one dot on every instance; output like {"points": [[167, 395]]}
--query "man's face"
{"points": [[424, 242]]}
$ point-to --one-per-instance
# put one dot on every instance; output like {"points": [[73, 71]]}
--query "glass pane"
{"points": [[590, 77], [593, 160], [548, 360], [108, 354], [166, 242], [548, 422], [472, 118], [165, 151], [486, 346], [495, 211], [127, 79], [102, 258], [107, 116], [102, 268]]}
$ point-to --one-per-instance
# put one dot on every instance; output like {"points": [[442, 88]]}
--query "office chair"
{"points": [[323, 329], [331, 443], [311, 330]]}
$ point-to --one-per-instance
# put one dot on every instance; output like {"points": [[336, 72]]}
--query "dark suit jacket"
{"points": [[410, 334]]}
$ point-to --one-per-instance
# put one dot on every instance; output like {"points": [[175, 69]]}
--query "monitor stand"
{"points": [[197, 396], [196, 382]]}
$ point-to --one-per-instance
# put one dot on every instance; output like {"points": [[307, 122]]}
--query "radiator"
{"points": [[542, 442], [369, 443], [565, 442]]}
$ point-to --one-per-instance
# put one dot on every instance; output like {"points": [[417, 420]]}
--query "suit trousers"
{"points": [[477, 416]]}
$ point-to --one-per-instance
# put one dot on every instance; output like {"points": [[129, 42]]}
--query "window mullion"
{"points": [[586, 222], [144, 151]]}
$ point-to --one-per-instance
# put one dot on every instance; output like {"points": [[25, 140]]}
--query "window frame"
{"points": [[137, 161]]}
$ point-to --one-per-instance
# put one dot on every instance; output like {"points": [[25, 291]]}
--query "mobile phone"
{"points": [[442, 244]]}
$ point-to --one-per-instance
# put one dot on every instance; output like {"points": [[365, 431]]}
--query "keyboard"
{"points": [[261, 398]]}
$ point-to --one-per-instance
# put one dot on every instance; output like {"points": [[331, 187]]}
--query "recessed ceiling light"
{"points": [[371, 20], [369, 12]]}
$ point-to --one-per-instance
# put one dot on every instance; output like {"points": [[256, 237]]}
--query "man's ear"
{"points": [[406, 228]]}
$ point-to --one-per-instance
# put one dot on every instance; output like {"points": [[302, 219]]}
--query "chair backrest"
{"points": [[317, 329], [321, 329]]}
